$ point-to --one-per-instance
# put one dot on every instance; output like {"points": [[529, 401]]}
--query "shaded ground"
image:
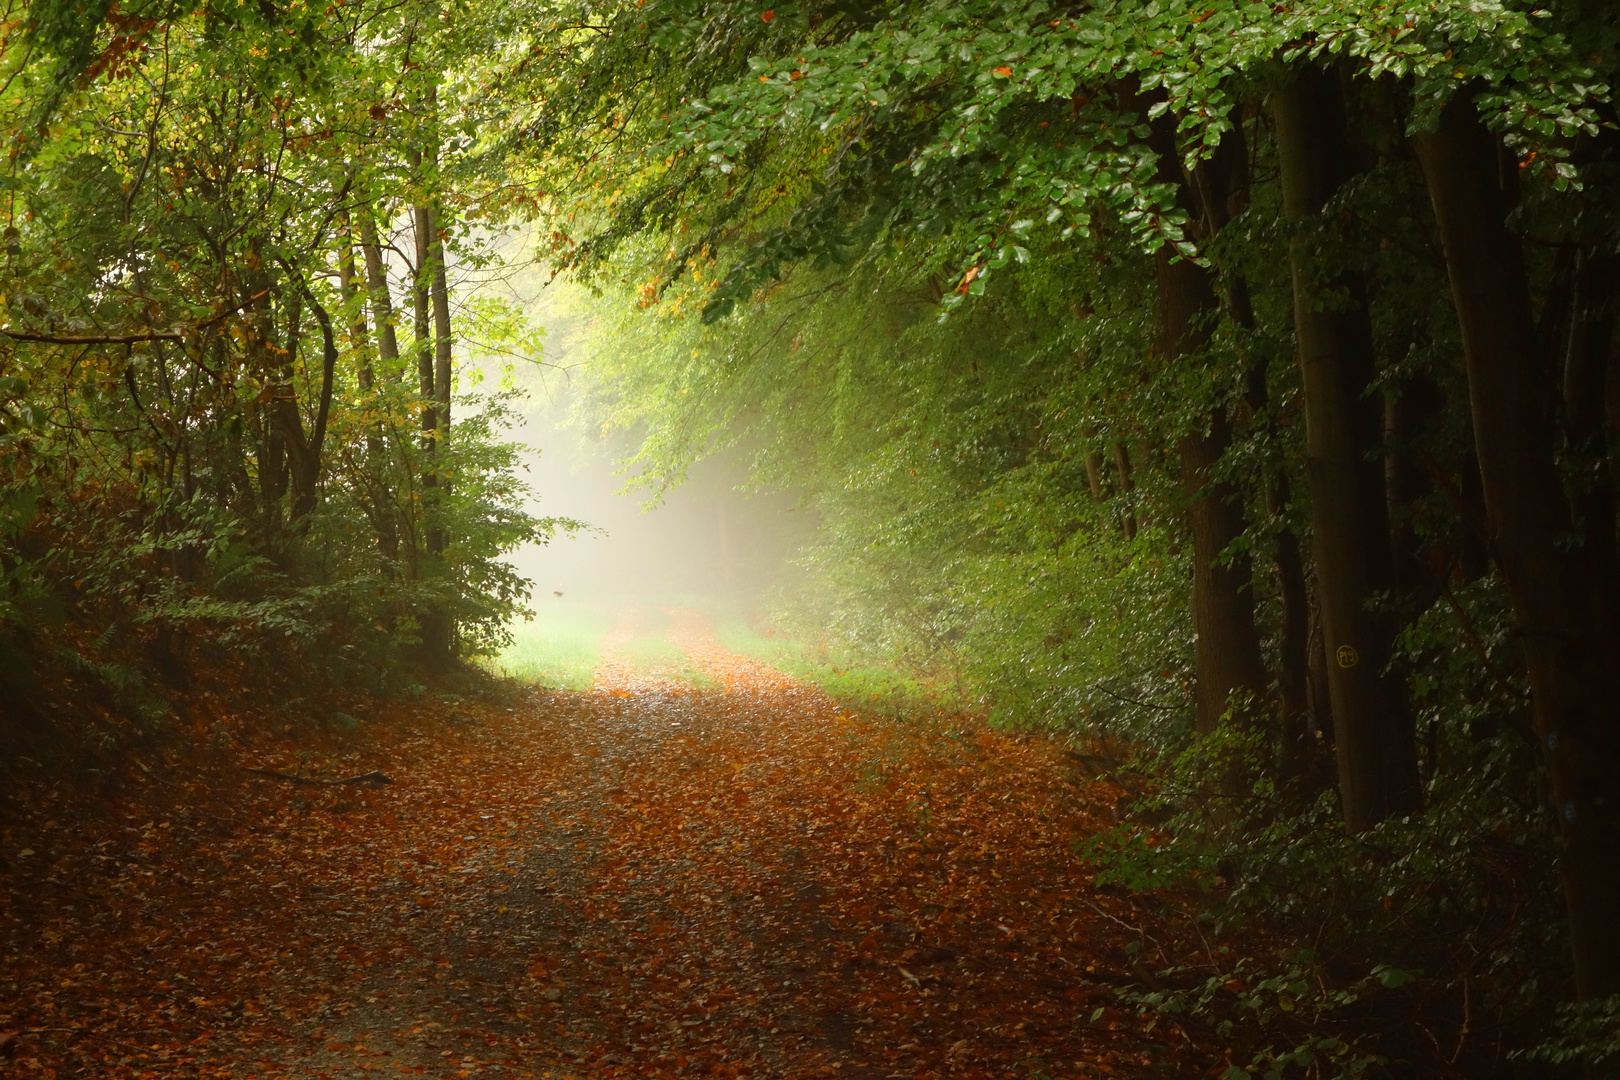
{"points": [[668, 875]]}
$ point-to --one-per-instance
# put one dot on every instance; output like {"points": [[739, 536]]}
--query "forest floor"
{"points": [[704, 870]]}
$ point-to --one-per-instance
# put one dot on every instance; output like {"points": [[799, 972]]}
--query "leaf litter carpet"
{"points": [[655, 878]]}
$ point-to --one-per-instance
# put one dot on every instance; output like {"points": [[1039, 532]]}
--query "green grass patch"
{"points": [[560, 648], [881, 688]]}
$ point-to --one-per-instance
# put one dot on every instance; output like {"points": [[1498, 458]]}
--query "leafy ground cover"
{"points": [[650, 878]]}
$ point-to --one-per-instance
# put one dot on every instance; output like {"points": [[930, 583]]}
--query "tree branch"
{"points": [[129, 339]]}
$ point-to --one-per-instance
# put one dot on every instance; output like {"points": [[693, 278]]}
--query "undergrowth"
{"points": [[851, 681]]}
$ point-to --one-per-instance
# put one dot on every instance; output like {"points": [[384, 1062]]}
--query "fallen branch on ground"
{"points": [[372, 777]]}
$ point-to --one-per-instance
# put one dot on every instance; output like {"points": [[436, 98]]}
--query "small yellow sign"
{"points": [[1347, 656]]}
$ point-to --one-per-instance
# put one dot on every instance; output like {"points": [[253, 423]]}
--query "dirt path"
{"points": [[649, 879]]}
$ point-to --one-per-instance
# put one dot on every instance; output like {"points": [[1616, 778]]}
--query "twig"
{"points": [[1468, 1018], [372, 777], [1133, 929], [129, 339]]}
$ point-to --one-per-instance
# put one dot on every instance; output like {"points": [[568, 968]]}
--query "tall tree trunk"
{"points": [[1564, 600], [1295, 746], [1376, 752], [359, 334], [1094, 475], [1226, 645], [1225, 640], [382, 315], [437, 628], [442, 342], [1222, 187], [287, 415], [382, 304], [422, 220], [304, 451]]}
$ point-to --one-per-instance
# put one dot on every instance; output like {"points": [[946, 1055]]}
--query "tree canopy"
{"points": [[1235, 382]]}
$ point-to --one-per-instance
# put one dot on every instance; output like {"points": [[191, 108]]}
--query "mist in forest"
{"points": [[706, 543]]}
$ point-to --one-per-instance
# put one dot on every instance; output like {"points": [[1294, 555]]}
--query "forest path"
{"points": [[657, 877]]}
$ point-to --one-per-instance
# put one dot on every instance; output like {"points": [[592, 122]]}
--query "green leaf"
{"points": [[1392, 976]]}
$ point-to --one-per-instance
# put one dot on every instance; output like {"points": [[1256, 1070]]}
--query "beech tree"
{"points": [[204, 433], [1234, 272]]}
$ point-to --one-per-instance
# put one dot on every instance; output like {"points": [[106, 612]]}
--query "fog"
{"points": [[706, 543]]}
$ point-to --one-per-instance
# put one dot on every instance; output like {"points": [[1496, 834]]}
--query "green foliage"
{"points": [[209, 451], [1459, 904], [903, 260], [1586, 1031]]}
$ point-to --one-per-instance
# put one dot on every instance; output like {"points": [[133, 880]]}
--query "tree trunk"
{"points": [[287, 419], [442, 342], [1295, 745], [422, 219], [1122, 461], [1222, 187], [359, 335], [384, 508], [1094, 479], [382, 304], [436, 625], [1226, 645], [1565, 605], [304, 451], [1376, 752]]}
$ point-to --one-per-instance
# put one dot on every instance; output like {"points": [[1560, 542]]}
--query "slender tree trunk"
{"points": [[442, 341], [1094, 475], [437, 626], [1225, 643], [268, 362], [1376, 751], [304, 451], [1222, 186], [422, 219], [382, 314], [1295, 749], [1122, 462], [316, 447], [359, 334], [360, 345], [288, 418], [1564, 600], [382, 304]]}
